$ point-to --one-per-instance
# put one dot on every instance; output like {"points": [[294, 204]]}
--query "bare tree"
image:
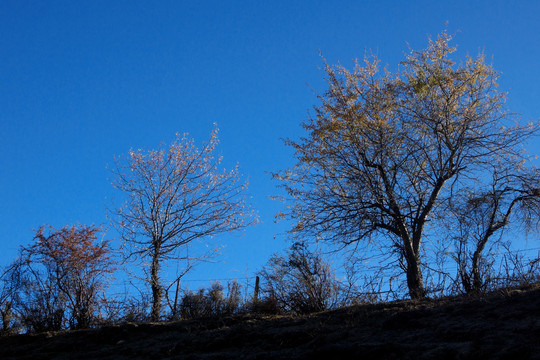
{"points": [[513, 194], [384, 151], [176, 195]]}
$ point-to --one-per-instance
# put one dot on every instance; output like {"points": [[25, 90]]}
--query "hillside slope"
{"points": [[502, 325]]}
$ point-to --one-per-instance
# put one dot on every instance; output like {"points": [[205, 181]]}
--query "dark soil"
{"points": [[501, 325]]}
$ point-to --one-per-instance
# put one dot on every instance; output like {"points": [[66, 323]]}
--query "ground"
{"points": [[502, 325]]}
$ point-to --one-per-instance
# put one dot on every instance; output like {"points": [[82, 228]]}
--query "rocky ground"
{"points": [[501, 325]]}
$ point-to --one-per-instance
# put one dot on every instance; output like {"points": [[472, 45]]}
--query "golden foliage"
{"points": [[384, 149]]}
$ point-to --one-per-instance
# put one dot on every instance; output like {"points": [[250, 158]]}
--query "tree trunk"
{"points": [[175, 305], [476, 276], [415, 282], [256, 292], [157, 292]]}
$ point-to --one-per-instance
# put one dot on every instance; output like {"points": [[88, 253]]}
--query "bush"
{"points": [[300, 283], [212, 301], [267, 306], [57, 282]]}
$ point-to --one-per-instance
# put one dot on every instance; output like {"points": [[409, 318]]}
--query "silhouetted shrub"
{"points": [[300, 283], [267, 305], [57, 282], [212, 301]]}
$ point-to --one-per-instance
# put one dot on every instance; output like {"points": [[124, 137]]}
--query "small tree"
{"points": [[302, 282], [514, 193], [58, 280], [383, 152], [10, 286], [74, 264], [176, 195]]}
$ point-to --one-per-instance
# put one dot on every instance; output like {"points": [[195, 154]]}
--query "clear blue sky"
{"points": [[81, 82]]}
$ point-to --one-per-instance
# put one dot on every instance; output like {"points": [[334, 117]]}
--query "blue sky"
{"points": [[81, 82]]}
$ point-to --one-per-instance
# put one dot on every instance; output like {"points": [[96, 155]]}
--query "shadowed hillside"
{"points": [[501, 325]]}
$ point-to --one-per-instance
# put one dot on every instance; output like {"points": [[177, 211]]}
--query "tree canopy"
{"points": [[174, 196], [384, 150]]}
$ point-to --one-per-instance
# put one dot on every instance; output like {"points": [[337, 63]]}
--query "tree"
{"points": [[384, 151], [10, 285], [59, 278], [77, 264], [513, 193], [176, 195]]}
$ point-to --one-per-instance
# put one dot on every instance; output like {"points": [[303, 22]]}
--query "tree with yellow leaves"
{"points": [[384, 150]]}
